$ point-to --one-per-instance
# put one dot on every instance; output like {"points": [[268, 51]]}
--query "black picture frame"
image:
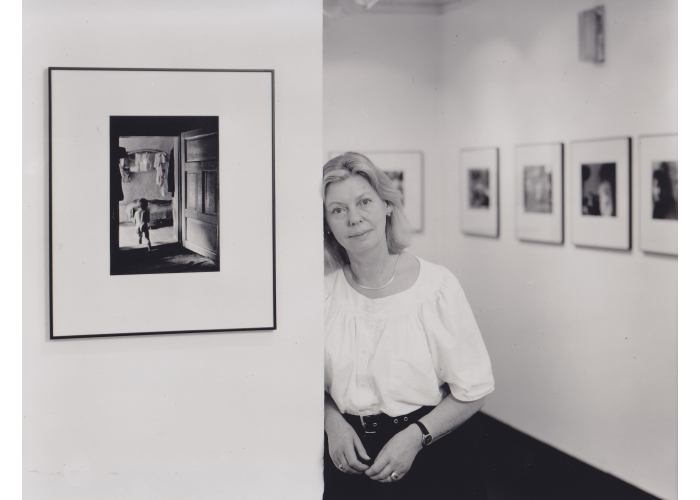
{"points": [[479, 185], [543, 224], [104, 87], [592, 224]]}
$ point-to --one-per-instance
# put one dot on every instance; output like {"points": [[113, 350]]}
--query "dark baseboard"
{"points": [[520, 467]]}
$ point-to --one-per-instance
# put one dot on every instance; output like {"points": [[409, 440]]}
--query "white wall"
{"points": [[228, 415], [380, 76], [583, 341]]}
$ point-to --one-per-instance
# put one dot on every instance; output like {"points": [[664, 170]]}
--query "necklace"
{"points": [[388, 282]]}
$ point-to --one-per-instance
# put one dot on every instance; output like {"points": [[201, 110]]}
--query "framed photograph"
{"points": [[478, 180], [600, 193], [161, 201], [405, 168], [539, 171], [658, 193]]}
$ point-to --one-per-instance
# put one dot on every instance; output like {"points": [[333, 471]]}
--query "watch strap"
{"points": [[427, 437]]}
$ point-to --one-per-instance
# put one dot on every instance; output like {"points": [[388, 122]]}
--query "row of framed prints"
{"points": [[600, 192], [600, 182]]}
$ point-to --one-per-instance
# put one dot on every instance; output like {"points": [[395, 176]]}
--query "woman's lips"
{"points": [[359, 235]]}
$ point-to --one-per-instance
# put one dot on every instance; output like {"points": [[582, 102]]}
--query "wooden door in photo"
{"points": [[199, 152]]}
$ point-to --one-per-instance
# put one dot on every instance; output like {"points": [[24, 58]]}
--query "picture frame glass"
{"points": [[600, 193], [200, 161], [479, 192], [539, 192], [658, 193]]}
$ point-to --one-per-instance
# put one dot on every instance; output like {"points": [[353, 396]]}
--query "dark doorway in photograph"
{"points": [[537, 182], [478, 188], [164, 194], [664, 190], [598, 183], [397, 177]]}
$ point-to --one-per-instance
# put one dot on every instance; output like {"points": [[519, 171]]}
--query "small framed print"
{"points": [[600, 193], [478, 178], [658, 193], [539, 170], [153, 177], [405, 168]]}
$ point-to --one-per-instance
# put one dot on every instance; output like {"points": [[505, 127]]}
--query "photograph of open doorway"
{"points": [[164, 207], [161, 198]]}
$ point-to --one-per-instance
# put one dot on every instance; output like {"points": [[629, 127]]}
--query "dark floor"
{"points": [[523, 468], [165, 258]]}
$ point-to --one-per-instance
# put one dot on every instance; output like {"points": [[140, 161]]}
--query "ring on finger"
{"points": [[394, 476], [341, 467]]}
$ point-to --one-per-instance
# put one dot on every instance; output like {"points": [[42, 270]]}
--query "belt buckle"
{"points": [[366, 424]]}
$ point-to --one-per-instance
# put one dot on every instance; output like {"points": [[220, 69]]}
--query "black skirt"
{"points": [[449, 469]]}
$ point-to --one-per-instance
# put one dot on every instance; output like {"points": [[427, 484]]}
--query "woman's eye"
{"points": [[337, 210], [366, 201]]}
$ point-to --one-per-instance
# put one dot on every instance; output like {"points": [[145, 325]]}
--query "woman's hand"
{"points": [[344, 446], [396, 457]]}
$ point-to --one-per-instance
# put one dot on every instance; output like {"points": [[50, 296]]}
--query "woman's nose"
{"points": [[354, 217]]}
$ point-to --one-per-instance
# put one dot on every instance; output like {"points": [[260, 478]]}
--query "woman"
{"points": [[405, 363]]}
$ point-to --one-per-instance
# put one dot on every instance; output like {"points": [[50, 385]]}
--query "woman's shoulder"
{"points": [[436, 280], [434, 273]]}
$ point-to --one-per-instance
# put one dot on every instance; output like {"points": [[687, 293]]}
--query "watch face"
{"points": [[427, 440]]}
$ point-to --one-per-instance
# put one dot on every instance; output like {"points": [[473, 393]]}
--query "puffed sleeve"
{"points": [[459, 355]]}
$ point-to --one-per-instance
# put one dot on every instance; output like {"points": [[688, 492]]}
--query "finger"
{"points": [[379, 463], [384, 474], [392, 478], [354, 461], [338, 462], [359, 448], [356, 465], [349, 461]]}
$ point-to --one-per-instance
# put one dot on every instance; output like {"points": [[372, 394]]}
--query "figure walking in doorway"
{"points": [[142, 216]]}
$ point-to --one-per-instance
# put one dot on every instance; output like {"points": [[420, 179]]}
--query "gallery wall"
{"points": [[583, 340], [381, 92], [216, 416]]}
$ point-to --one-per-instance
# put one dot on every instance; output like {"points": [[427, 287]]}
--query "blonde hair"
{"points": [[397, 230]]}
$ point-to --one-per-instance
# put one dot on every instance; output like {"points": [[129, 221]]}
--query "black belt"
{"points": [[371, 424]]}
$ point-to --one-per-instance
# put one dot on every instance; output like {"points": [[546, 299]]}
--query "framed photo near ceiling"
{"points": [[161, 213], [539, 172], [600, 193], [478, 179], [405, 168], [658, 193]]}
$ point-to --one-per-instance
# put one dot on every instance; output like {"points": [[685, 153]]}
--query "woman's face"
{"points": [[356, 214]]}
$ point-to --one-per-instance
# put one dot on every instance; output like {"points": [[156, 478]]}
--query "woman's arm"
{"points": [[344, 445], [398, 454], [448, 415]]}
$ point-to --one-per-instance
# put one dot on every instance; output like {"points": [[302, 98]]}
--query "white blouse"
{"points": [[395, 354]]}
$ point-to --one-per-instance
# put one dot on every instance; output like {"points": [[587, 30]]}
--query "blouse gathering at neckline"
{"points": [[393, 295]]}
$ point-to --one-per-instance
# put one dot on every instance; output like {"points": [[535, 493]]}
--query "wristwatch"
{"points": [[427, 437]]}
